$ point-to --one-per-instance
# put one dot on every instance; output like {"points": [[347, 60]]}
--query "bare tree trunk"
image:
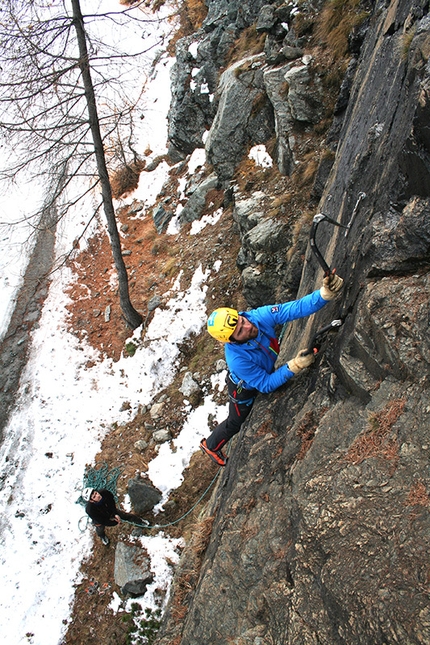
{"points": [[133, 317]]}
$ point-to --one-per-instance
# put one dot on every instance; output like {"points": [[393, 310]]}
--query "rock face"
{"points": [[321, 529], [255, 99], [244, 116]]}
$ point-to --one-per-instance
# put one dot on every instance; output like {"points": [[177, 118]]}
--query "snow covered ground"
{"points": [[63, 411], [65, 408]]}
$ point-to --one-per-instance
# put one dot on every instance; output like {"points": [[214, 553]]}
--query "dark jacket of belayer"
{"points": [[104, 511], [253, 362]]}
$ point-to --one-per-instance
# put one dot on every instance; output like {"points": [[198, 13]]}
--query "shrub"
{"points": [[145, 625], [191, 14], [126, 178]]}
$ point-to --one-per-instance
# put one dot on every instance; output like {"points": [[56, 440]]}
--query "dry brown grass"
{"points": [[265, 428], [200, 536], [191, 14], [249, 176], [376, 441], [308, 168], [418, 499], [249, 43], [418, 495], [126, 178], [407, 39], [306, 431], [335, 22], [186, 581]]}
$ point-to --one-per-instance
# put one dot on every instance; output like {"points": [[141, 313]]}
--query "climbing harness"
{"points": [[321, 217]]}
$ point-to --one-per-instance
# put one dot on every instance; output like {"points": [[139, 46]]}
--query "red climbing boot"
{"points": [[216, 455]]}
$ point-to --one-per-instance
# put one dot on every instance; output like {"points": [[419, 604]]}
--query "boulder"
{"points": [[143, 496], [195, 207], [156, 410], [304, 94], [189, 385], [191, 109], [274, 81], [161, 436], [267, 237], [154, 302], [244, 116], [161, 217], [249, 211], [266, 18], [136, 588], [131, 570]]}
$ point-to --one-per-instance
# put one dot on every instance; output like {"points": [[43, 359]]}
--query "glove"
{"points": [[301, 361], [331, 286]]}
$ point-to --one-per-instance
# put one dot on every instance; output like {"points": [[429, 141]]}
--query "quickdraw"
{"points": [[319, 337]]}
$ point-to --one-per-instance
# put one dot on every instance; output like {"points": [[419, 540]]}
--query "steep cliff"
{"points": [[320, 527]]}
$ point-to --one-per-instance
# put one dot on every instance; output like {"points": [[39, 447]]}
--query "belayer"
{"points": [[101, 508], [251, 350]]}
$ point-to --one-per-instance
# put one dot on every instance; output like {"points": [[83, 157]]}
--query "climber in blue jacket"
{"points": [[251, 350]]}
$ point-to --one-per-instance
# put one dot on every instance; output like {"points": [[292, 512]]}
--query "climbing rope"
{"points": [[98, 478], [163, 526], [102, 478]]}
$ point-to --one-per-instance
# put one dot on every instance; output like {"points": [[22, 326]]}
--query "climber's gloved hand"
{"points": [[331, 286], [302, 360]]}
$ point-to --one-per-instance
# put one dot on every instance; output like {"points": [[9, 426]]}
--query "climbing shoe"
{"points": [[105, 540], [216, 455]]}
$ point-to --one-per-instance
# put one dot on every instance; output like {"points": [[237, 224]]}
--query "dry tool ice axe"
{"points": [[319, 337]]}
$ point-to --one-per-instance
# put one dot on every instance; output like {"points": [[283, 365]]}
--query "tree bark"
{"points": [[133, 317]]}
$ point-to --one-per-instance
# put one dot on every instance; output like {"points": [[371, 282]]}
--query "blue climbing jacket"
{"points": [[253, 362]]}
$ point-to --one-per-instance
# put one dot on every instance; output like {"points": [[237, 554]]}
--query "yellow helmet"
{"points": [[222, 323]]}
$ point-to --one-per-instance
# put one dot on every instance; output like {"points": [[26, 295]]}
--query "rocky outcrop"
{"points": [[244, 116], [254, 99], [321, 517], [143, 496], [195, 206], [261, 258]]}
